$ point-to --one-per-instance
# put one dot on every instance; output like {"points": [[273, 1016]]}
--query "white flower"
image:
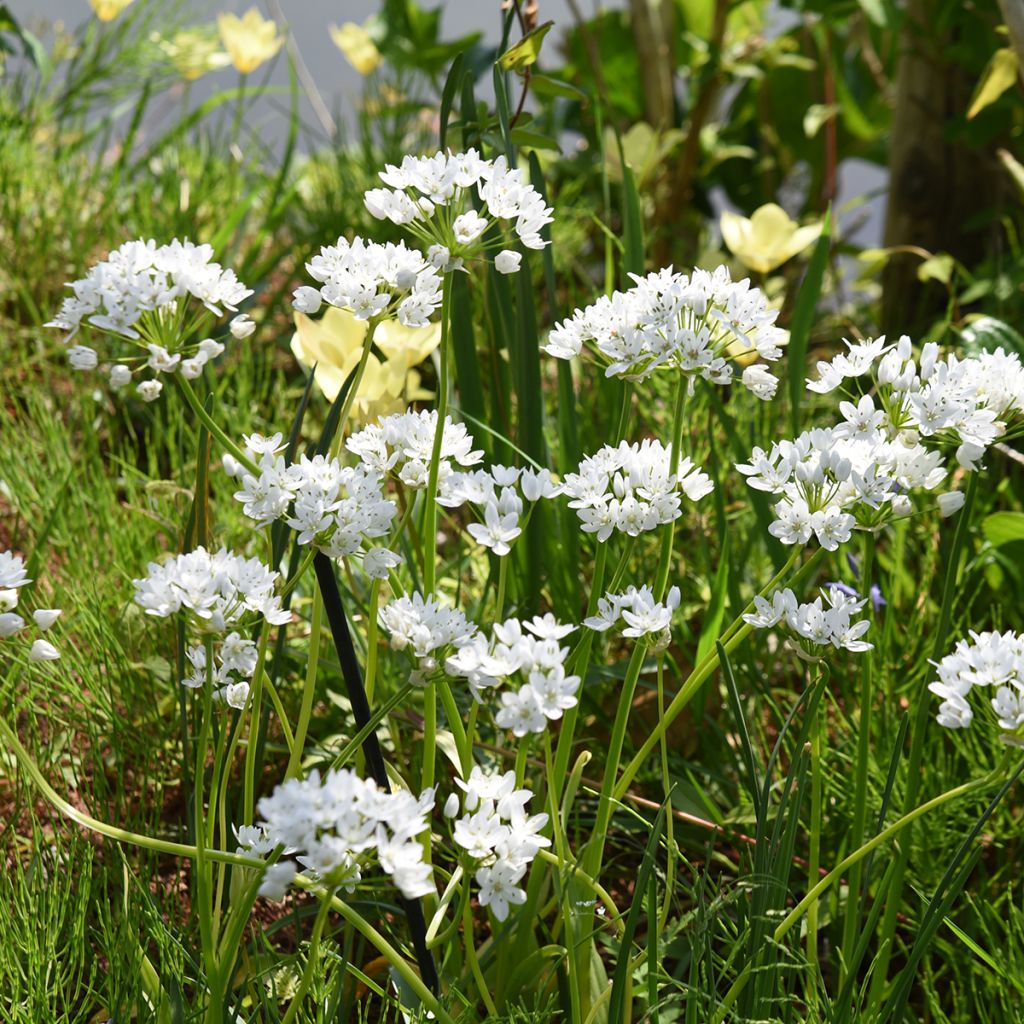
{"points": [[307, 300], [191, 369], [424, 625], [693, 325], [276, 879], [377, 562], [508, 261], [827, 623], [10, 623], [12, 571], [498, 888], [334, 824], [468, 227], [43, 650], [760, 382], [120, 376], [950, 503], [497, 531], [220, 589], [630, 489], [242, 326], [44, 618], [8, 599], [161, 360], [82, 358], [149, 390]]}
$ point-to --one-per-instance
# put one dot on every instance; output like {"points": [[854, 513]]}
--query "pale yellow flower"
{"points": [[108, 10], [767, 238], [334, 345], [250, 40], [193, 51], [358, 47]]}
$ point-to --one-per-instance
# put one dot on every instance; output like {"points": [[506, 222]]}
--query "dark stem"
{"points": [[353, 678]]}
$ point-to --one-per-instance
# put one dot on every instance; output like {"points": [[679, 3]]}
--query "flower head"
{"points": [[768, 238], [250, 40]]}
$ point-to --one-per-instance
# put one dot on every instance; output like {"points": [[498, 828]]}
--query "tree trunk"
{"points": [[938, 184]]}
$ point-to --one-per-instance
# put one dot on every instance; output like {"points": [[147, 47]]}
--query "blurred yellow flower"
{"points": [[250, 40], [358, 47], [334, 344], [108, 10], [767, 238], [193, 51]]}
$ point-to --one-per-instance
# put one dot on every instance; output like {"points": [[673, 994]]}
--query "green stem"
{"points": [[309, 688], [919, 729], [669, 529], [430, 498], [372, 629], [212, 426], [353, 390], [311, 959], [255, 717], [860, 795], [814, 849], [474, 962], [203, 879], [183, 850], [731, 639], [836, 874]]}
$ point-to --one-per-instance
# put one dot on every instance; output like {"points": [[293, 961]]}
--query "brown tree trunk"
{"points": [[937, 184]]}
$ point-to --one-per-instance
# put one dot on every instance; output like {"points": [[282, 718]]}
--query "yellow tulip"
{"points": [[767, 238], [250, 40], [193, 51], [334, 344], [358, 47], [108, 10]]}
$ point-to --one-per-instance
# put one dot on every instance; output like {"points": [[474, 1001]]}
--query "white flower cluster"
{"points": [[13, 577], [493, 491], [832, 478], [140, 293], [236, 660], [372, 280], [220, 589], [691, 324], [993, 659], [822, 624], [426, 628], [642, 615], [334, 824], [402, 444], [432, 196], [968, 402], [496, 831], [331, 506], [630, 488], [526, 652]]}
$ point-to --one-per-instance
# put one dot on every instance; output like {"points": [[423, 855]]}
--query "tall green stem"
{"points": [[430, 498], [860, 794], [309, 688], [669, 529], [919, 730], [311, 959], [837, 873]]}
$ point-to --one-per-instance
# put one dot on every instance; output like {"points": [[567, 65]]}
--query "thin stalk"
{"points": [[372, 628], [430, 498], [474, 962], [919, 729], [311, 959], [814, 844], [202, 904], [860, 794], [669, 529], [213, 426], [666, 785], [840, 869], [255, 717], [309, 687], [353, 390], [731, 639]]}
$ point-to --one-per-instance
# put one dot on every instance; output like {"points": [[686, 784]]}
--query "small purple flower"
{"points": [[877, 601], [843, 588]]}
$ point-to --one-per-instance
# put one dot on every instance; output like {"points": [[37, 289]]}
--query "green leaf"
{"points": [[632, 222], [1003, 527], [1013, 166], [712, 626], [999, 75], [451, 86], [526, 51], [937, 268], [803, 317], [534, 140], [986, 333], [545, 85], [817, 115]]}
